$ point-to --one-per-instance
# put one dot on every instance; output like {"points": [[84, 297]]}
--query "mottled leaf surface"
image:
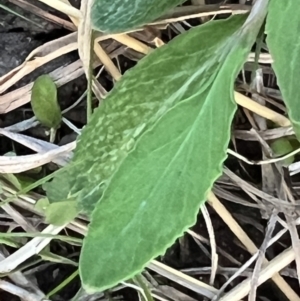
{"points": [[44, 102], [122, 15], [154, 196], [283, 40], [168, 75]]}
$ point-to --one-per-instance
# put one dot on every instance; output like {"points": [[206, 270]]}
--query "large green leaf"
{"points": [[145, 94], [119, 15], [283, 39], [155, 194]]}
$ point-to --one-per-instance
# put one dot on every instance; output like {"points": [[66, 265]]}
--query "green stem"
{"points": [[31, 186], [139, 279], [52, 135], [63, 284]]}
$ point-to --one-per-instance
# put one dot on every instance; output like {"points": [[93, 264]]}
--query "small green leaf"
{"points": [[58, 189], [283, 40], [154, 196], [61, 213], [119, 15], [44, 102], [281, 147], [42, 205]]}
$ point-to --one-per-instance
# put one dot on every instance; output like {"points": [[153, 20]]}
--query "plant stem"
{"points": [[139, 279], [52, 135], [63, 284]]}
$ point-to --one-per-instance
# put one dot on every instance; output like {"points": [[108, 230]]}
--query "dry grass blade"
{"points": [[9, 164], [219, 250], [295, 242], [271, 269], [263, 111], [18, 218], [182, 279], [213, 246], [18, 291], [251, 190], [260, 259], [85, 41], [270, 134], [21, 96], [132, 43], [64, 8], [22, 125], [20, 280], [85, 36], [37, 145], [31, 248], [199, 11], [40, 146], [30, 66], [43, 14], [263, 162], [247, 242], [264, 58]]}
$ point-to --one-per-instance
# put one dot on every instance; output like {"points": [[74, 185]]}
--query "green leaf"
{"points": [[147, 92], [44, 102], [119, 15], [281, 147], [61, 213], [283, 40], [42, 205], [58, 189], [154, 196]]}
